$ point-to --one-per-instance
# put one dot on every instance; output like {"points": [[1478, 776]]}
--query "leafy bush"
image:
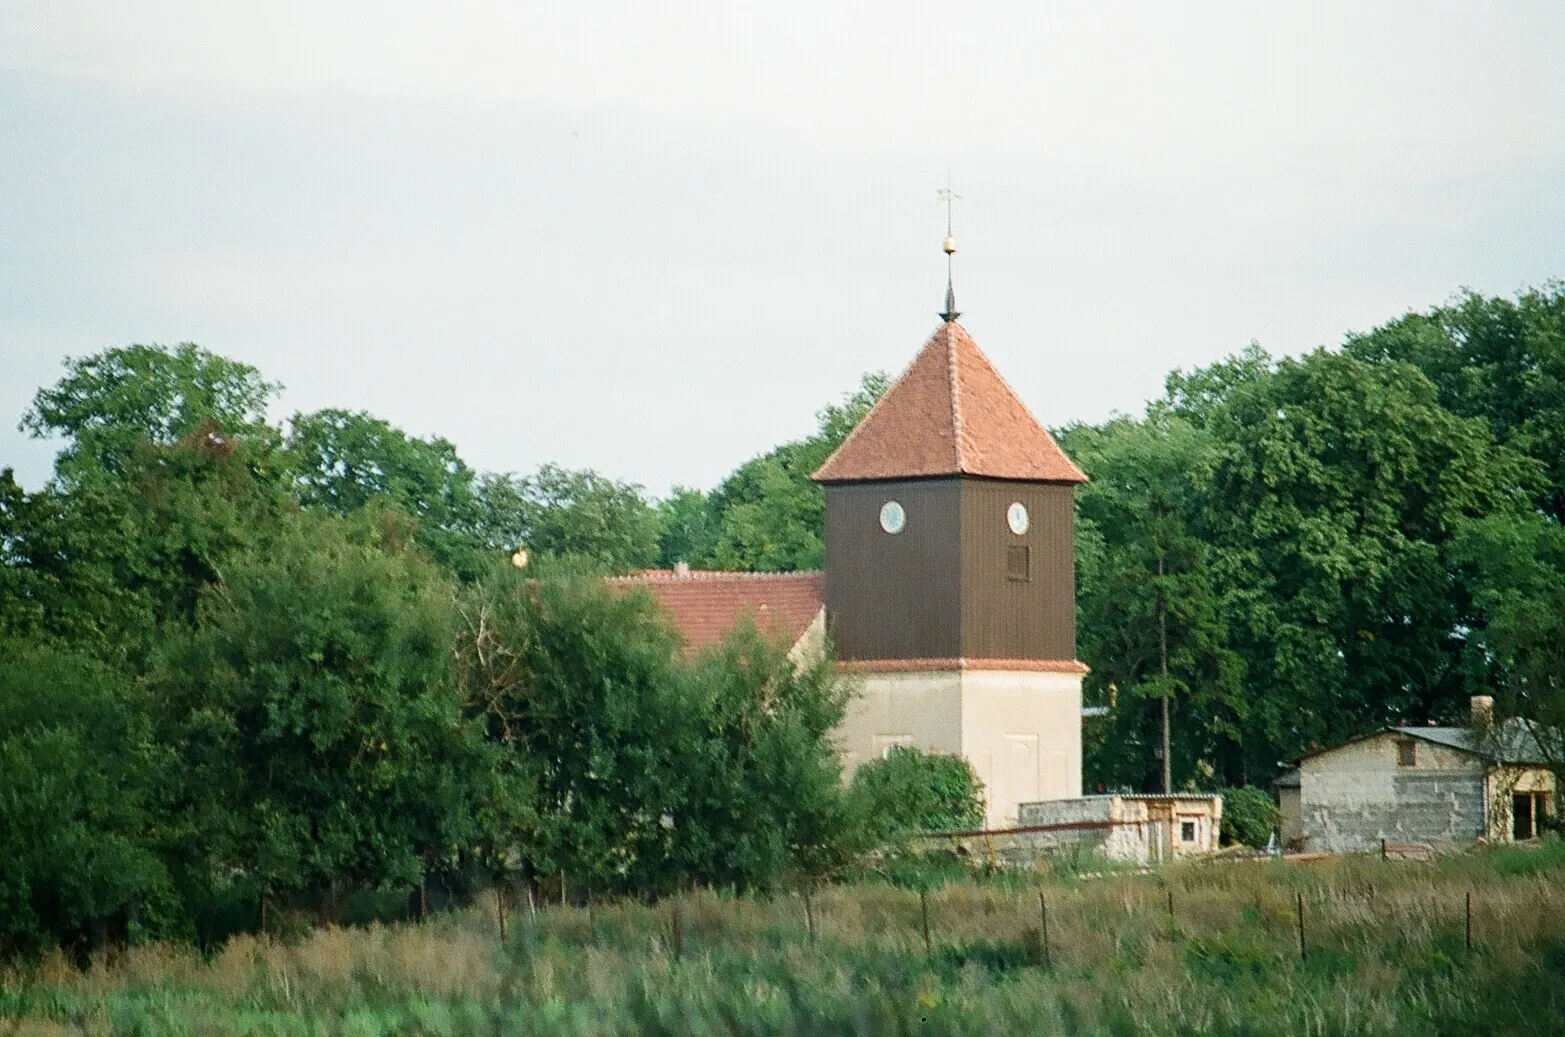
{"points": [[319, 719], [1249, 816], [81, 813], [910, 791], [655, 769]]}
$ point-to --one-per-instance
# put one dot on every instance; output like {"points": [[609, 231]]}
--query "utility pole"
{"points": [[1162, 634]]}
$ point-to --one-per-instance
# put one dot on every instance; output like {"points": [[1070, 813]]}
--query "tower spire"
{"points": [[945, 194]]}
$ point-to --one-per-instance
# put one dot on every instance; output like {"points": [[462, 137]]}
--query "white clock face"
{"points": [[892, 517], [1016, 517]]}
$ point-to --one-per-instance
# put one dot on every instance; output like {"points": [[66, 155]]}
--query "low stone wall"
{"points": [[1135, 829]]}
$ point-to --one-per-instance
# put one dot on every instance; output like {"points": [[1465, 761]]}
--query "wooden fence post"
{"points": [[679, 932], [1469, 921], [1043, 927], [1302, 950]]}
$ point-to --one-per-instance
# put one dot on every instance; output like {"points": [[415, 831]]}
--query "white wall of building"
{"points": [[1020, 730], [1356, 795]]}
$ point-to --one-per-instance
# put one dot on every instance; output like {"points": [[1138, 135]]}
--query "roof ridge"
{"points": [[710, 575], [954, 376]]}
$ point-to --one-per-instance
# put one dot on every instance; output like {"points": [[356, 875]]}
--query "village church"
{"points": [[949, 581]]}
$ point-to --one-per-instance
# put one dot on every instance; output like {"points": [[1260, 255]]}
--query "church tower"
{"points": [[950, 578]]}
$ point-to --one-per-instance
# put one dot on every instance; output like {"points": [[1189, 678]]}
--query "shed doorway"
{"points": [[1526, 811]]}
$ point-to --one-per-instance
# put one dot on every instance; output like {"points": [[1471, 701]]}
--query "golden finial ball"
{"points": [[949, 244]]}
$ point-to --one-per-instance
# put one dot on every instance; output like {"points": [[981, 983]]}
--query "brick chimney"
{"points": [[1482, 709]]}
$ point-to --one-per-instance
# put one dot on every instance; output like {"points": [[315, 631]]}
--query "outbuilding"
{"points": [[1146, 828], [1439, 786]]}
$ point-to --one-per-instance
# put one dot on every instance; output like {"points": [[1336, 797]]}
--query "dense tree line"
{"points": [[251, 671], [252, 668], [1294, 551]]}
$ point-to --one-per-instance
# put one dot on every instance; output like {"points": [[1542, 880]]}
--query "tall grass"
{"points": [[1386, 955]]}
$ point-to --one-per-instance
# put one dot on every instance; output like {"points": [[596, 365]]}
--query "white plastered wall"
{"points": [[923, 710], [1020, 730]]}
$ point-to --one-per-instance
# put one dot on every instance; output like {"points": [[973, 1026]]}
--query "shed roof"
{"points": [[705, 605], [1510, 741], [1513, 741], [950, 413]]}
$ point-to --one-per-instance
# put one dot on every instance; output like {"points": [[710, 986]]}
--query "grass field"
{"points": [[1385, 953]]}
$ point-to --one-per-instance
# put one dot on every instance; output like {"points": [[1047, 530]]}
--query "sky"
{"points": [[654, 239]]}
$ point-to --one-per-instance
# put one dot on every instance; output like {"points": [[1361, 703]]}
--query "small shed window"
{"points": [[1018, 563], [1407, 753], [1187, 831]]}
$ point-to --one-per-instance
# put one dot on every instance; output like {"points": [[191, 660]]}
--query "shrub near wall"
{"points": [[910, 792], [1249, 816]]}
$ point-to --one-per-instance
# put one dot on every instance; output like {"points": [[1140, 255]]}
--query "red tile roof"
{"points": [[705, 605], [949, 414]]}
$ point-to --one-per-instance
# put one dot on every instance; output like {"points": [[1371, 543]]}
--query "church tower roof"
{"points": [[950, 413]]}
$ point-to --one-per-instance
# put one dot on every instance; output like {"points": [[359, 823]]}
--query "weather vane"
{"points": [[945, 194]]}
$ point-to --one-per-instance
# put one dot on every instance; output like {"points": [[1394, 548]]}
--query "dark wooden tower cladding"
{"points": [[953, 446]]}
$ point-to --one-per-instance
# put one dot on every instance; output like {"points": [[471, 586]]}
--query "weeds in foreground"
{"points": [[1200, 948]]}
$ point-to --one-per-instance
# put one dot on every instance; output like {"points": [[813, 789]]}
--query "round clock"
{"points": [[1016, 517], [892, 517]]}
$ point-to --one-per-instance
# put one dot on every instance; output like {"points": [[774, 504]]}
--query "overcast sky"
{"points": [[654, 238]]}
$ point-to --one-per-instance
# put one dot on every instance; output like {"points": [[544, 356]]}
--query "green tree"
{"points": [[110, 402], [653, 769], [688, 528], [1515, 567], [168, 466], [563, 513], [1495, 359], [110, 563], [319, 716], [1330, 501], [1148, 607], [346, 461], [1249, 816], [84, 831], [581, 681], [762, 789]]}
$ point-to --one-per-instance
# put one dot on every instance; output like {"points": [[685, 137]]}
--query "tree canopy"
{"points": [[249, 666], [110, 403], [1341, 540]]}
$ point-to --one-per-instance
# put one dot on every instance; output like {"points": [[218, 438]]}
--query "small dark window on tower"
{"points": [[1017, 563], [1407, 753]]}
